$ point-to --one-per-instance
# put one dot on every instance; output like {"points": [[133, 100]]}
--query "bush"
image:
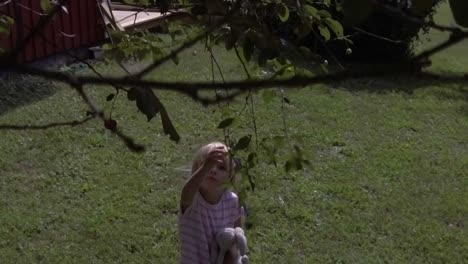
{"points": [[366, 47], [394, 27]]}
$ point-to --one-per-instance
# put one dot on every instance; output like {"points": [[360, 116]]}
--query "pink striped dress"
{"points": [[199, 224]]}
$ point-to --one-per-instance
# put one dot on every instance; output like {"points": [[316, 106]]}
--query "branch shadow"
{"points": [[18, 90]]}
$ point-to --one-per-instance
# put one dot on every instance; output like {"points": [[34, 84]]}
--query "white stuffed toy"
{"points": [[226, 239]]}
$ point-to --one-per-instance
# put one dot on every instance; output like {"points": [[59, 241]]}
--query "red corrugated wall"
{"points": [[82, 26]]}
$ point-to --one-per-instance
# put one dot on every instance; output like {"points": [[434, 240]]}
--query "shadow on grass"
{"points": [[18, 90], [408, 85]]}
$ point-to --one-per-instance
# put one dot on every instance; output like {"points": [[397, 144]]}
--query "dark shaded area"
{"points": [[373, 46], [18, 90]]}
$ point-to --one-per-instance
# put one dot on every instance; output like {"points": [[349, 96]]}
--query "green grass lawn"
{"points": [[388, 179]]}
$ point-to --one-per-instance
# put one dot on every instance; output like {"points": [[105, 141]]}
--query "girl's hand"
{"points": [[215, 157]]}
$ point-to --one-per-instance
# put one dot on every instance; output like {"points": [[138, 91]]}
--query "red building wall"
{"points": [[81, 26]]}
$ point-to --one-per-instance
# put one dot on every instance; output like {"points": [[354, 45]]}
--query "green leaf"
{"points": [[149, 104], [293, 163], [175, 59], [324, 14], [305, 51], [283, 12], [288, 165], [248, 49], [146, 101], [132, 94], [110, 97], [168, 127], [226, 123], [324, 32], [5, 24], [323, 68], [311, 11], [46, 6], [243, 143], [252, 160], [335, 26], [231, 41], [459, 11]]}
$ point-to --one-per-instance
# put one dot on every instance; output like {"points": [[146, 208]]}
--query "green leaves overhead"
{"points": [[460, 11]]}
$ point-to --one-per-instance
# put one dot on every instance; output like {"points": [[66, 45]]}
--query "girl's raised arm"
{"points": [[217, 155]]}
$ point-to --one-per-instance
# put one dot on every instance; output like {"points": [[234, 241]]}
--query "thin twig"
{"points": [[377, 36], [123, 68], [283, 113], [327, 49], [116, 86], [29, 9], [213, 78], [68, 53], [186, 45], [242, 62], [5, 3], [46, 126], [249, 96], [129, 142], [218, 66]]}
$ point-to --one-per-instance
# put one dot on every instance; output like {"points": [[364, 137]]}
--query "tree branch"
{"points": [[377, 36], [129, 142], [45, 126], [455, 37], [191, 88]]}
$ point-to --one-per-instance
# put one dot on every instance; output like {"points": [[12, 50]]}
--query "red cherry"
{"points": [[110, 124]]}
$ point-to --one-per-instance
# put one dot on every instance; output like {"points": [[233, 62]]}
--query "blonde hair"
{"points": [[202, 153]]}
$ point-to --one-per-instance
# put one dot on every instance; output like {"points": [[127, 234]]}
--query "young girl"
{"points": [[206, 205]]}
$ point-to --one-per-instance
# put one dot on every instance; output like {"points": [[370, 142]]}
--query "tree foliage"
{"points": [[253, 30]]}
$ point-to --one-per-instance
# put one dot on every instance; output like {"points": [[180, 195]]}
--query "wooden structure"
{"points": [[80, 24], [130, 18]]}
